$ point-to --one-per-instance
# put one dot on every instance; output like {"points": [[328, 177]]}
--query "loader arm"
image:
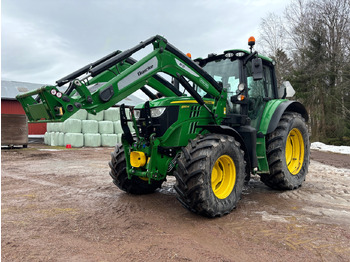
{"points": [[107, 81]]}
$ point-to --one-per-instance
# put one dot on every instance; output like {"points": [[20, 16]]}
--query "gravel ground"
{"points": [[60, 205]]}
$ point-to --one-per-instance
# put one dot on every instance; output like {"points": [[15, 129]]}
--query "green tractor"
{"points": [[211, 124]]}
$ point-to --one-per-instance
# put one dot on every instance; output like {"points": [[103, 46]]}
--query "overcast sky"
{"points": [[44, 40]]}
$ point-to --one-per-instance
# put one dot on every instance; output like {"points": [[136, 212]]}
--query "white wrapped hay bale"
{"points": [[131, 127], [59, 127], [81, 115], [74, 139], [54, 139], [105, 127], [54, 127], [72, 126], [117, 127], [119, 138], [47, 138], [109, 140], [92, 140], [127, 112], [97, 117], [119, 130], [61, 139], [112, 114], [89, 126], [50, 127]]}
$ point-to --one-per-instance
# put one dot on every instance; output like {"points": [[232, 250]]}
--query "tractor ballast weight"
{"points": [[221, 120]]}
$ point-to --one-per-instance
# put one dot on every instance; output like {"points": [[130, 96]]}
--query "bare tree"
{"points": [[314, 35], [273, 41], [272, 34]]}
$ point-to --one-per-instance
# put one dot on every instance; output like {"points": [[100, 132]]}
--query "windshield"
{"points": [[226, 73]]}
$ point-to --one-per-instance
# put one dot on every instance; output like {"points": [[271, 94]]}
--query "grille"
{"points": [[195, 110], [192, 128]]}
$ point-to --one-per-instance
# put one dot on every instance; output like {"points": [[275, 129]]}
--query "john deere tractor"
{"points": [[219, 119]]}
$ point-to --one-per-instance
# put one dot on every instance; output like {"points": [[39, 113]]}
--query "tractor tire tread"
{"points": [[279, 177], [193, 179]]}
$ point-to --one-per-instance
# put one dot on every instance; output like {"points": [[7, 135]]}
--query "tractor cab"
{"points": [[249, 79]]}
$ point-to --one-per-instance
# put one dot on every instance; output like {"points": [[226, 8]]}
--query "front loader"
{"points": [[220, 119]]}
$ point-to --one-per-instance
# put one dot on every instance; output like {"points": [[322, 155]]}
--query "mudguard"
{"points": [[274, 110]]}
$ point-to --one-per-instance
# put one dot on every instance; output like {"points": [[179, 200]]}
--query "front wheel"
{"points": [[288, 151], [135, 185], [210, 175]]}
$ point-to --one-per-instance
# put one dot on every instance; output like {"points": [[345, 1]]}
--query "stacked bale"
{"points": [[74, 139], [47, 137], [72, 126], [92, 138], [118, 127], [72, 130], [81, 115], [89, 127], [61, 139], [84, 129], [112, 114], [98, 117]]}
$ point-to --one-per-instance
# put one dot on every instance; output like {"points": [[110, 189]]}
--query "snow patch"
{"points": [[334, 213], [328, 148]]}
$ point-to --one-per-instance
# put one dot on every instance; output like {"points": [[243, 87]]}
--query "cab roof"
{"points": [[231, 53]]}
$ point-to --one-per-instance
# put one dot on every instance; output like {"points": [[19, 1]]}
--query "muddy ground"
{"points": [[62, 206]]}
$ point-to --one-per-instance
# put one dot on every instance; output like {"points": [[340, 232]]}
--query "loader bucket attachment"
{"points": [[49, 104], [45, 107]]}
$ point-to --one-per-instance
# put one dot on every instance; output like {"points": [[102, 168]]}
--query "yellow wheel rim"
{"points": [[295, 151], [223, 176]]}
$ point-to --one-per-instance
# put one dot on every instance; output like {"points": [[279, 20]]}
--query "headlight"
{"points": [[157, 111], [137, 113], [240, 54]]}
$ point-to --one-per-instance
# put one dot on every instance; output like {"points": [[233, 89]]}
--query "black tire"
{"points": [[196, 168], [287, 172], [135, 185]]}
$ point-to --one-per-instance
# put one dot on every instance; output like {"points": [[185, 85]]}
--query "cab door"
{"points": [[259, 93]]}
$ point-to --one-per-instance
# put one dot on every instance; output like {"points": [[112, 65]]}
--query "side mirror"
{"points": [[286, 90], [257, 69]]}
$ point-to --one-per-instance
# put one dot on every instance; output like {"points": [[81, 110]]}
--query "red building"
{"points": [[9, 104]]}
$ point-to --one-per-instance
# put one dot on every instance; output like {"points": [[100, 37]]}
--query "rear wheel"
{"points": [[288, 151], [210, 175], [135, 185]]}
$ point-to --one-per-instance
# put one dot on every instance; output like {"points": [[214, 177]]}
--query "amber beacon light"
{"points": [[251, 41]]}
